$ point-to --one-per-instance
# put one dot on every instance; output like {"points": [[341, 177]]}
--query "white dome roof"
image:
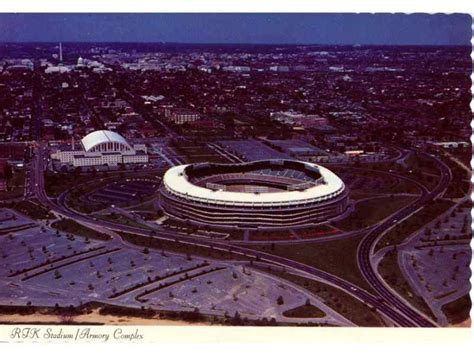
{"points": [[98, 137]]}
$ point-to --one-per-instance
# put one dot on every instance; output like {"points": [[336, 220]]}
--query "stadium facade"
{"points": [[102, 148], [261, 194]]}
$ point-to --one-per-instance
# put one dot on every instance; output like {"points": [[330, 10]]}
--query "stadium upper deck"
{"points": [[272, 193]]}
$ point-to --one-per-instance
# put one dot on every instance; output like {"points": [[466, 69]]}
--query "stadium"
{"points": [[260, 194]]}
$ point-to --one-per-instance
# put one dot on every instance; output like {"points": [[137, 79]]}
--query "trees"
{"points": [[280, 300]]}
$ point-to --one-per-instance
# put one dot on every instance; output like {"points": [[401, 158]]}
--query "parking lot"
{"points": [[11, 221], [44, 267], [124, 193], [438, 264], [251, 149]]}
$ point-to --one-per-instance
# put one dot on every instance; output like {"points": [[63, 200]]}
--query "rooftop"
{"points": [[99, 137]]}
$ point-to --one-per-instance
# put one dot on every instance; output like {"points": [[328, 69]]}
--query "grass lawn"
{"points": [[404, 229], [351, 308], [460, 185], [177, 247], [369, 212], [375, 181], [338, 257], [32, 209], [117, 218], [16, 186], [55, 184], [359, 195], [418, 162], [198, 153], [390, 270], [147, 206], [70, 226], [304, 311], [458, 310], [404, 186]]}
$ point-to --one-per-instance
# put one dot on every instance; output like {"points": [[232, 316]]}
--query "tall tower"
{"points": [[60, 52]]}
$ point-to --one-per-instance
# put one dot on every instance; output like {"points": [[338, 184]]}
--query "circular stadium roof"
{"points": [[176, 181], [98, 137]]}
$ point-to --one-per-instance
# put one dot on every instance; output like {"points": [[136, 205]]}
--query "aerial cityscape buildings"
{"points": [[235, 184]]}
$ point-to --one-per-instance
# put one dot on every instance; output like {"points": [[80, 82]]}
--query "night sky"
{"points": [[416, 29]]}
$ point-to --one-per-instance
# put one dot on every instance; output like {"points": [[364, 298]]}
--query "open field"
{"points": [[121, 192], [16, 186], [415, 166], [304, 311], [197, 152], [176, 246], [370, 181], [369, 212], [57, 183], [31, 208], [118, 218], [314, 232], [460, 185], [404, 229], [338, 257], [70, 226]]}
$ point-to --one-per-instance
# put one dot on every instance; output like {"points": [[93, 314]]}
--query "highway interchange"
{"points": [[385, 301]]}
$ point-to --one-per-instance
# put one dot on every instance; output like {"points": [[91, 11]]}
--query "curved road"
{"points": [[395, 310], [366, 248]]}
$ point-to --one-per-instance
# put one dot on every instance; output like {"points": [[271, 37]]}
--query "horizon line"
{"points": [[242, 43]]}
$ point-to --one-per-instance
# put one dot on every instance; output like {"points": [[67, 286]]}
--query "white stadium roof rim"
{"points": [[103, 136], [177, 183]]}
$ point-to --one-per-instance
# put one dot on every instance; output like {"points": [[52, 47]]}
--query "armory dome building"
{"points": [[264, 194], [102, 148]]}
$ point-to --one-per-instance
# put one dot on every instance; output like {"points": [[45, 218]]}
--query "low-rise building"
{"points": [[102, 148]]}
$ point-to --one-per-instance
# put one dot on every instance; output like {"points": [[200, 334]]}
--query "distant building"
{"points": [[237, 68], [181, 116], [102, 148], [280, 68], [353, 153], [451, 145], [298, 119], [57, 69]]}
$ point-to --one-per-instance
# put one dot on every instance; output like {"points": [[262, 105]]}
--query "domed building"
{"points": [[102, 148]]}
